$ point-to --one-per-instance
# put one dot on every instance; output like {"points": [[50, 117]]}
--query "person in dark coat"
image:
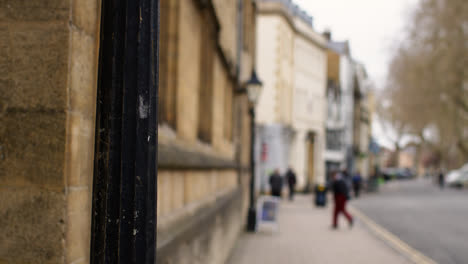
{"points": [[357, 184], [441, 180], [276, 183], [291, 179], [340, 191]]}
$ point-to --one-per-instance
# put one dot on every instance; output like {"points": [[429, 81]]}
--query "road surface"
{"points": [[431, 220]]}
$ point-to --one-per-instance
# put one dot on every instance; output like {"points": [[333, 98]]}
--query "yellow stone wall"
{"points": [[48, 76], [227, 15], [179, 189], [182, 192], [48, 82]]}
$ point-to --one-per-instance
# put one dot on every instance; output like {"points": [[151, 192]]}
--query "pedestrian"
{"points": [[346, 177], [357, 183], [276, 183], [340, 191], [441, 180], [291, 179]]}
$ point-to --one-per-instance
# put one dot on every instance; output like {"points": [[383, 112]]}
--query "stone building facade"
{"points": [[203, 128], [349, 122], [291, 110], [362, 121], [49, 65], [341, 83]]}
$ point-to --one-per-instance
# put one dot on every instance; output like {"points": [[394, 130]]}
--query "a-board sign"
{"points": [[267, 210]]}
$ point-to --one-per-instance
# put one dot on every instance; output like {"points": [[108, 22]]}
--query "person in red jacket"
{"points": [[340, 191]]}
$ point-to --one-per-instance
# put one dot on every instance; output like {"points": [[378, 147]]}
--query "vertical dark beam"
{"points": [[252, 213], [125, 173]]}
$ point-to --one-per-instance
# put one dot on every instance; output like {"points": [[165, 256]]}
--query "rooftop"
{"points": [[295, 10], [341, 47]]}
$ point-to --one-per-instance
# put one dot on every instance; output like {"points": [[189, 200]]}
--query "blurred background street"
{"points": [[173, 131]]}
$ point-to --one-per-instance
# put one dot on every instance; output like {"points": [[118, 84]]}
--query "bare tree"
{"points": [[427, 82]]}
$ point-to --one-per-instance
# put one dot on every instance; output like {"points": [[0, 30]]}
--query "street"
{"points": [[431, 220]]}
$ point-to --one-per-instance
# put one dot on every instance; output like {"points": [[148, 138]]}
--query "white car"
{"points": [[452, 176], [458, 178]]}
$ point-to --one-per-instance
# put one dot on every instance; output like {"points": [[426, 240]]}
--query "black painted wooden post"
{"points": [[125, 169]]}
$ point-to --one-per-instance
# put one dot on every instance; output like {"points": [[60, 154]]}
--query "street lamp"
{"points": [[254, 88]]}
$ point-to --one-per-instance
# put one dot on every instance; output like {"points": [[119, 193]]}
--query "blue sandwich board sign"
{"points": [[267, 212]]}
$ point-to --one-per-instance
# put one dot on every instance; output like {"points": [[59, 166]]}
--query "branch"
{"points": [[459, 101]]}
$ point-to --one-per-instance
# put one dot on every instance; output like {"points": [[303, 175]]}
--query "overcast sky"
{"points": [[373, 27]]}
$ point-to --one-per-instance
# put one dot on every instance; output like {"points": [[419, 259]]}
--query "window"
{"points": [[334, 139], [205, 99], [168, 63], [228, 113], [248, 25]]}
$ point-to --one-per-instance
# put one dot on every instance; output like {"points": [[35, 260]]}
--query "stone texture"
{"points": [[219, 86], [32, 149], [32, 225], [174, 156], [189, 80], [81, 105], [34, 10], [35, 69], [227, 15], [210, 236], [78, 228], [86, 15], [177, 190], [164, 195], [80, 150], [48, 79], [83, 73]]}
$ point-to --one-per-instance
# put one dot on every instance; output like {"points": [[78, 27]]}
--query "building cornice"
{"points": [[277, 8]]}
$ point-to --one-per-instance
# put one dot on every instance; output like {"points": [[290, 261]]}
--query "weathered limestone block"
{"points": [[189, 68], [24, 211], [34, 10], [86, 14], [208, 236], [32, 149], [36, 66]]}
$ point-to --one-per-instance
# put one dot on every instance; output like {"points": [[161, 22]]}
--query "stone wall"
{"points": [[202, 200], [48, 71], [48, 82]]}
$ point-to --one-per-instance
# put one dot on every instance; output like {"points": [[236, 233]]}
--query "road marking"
{"points": [[412, 254]]}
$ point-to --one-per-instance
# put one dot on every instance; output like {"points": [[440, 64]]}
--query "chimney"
{"points": [[327, 34]]}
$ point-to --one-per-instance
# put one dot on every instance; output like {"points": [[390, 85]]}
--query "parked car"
{"points": [[397, 173], [389, 173], [458, 178], [405, 174]]}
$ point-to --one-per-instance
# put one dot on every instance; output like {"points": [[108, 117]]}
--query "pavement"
{"points": [[430, 220], [305, 236]]}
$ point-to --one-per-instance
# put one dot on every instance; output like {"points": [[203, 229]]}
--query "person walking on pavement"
{"points": [[340, 191], [357, 183], [441, 180], [276, 183], [291, 179]]}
